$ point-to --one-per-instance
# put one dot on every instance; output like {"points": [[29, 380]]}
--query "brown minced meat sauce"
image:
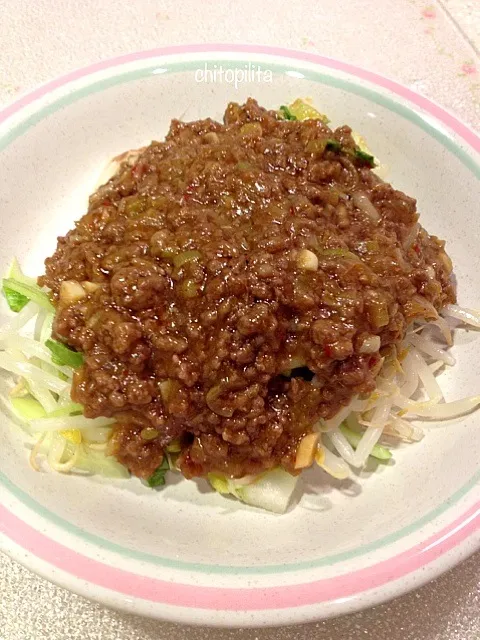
{"points": [[189, 291]]}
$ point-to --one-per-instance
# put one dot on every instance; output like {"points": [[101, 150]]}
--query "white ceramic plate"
{"points": [[185, 553]]}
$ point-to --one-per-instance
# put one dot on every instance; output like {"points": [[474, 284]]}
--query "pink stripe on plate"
{"points": [[198, 597], [420, 101]]}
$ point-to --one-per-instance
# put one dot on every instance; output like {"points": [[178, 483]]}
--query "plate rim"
{"points": [[356, 73], [211, 616]]}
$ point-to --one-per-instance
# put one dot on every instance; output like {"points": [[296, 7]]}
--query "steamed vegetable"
{"points": [[157, 479], [286, 113], [41, 398], [28, 291], [357, 153], [333, 145], [353, 437], [96, 462], [69, 422], [70, 409], [62, 355], [302, 110], [332, 464], [15, 272], [16, 301], [365, 157], [362, 147], [27, 408], [271, 490], [19, 289]]}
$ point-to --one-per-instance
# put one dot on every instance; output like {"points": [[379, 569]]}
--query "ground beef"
{"points": [[198, 309]]}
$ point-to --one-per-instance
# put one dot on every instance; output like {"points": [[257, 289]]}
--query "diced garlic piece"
{"points": [[71, 291], [307, 260]]}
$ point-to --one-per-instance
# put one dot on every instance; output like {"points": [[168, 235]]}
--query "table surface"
{"points": [[433, 47]]}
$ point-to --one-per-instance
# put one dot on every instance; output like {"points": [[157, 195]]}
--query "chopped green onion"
{"points": [[62, 355], [353, 437], [286, 113], [244, 166], [333, 145], [157, 479], [186, 256], [30, 291], [365, 157]]}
